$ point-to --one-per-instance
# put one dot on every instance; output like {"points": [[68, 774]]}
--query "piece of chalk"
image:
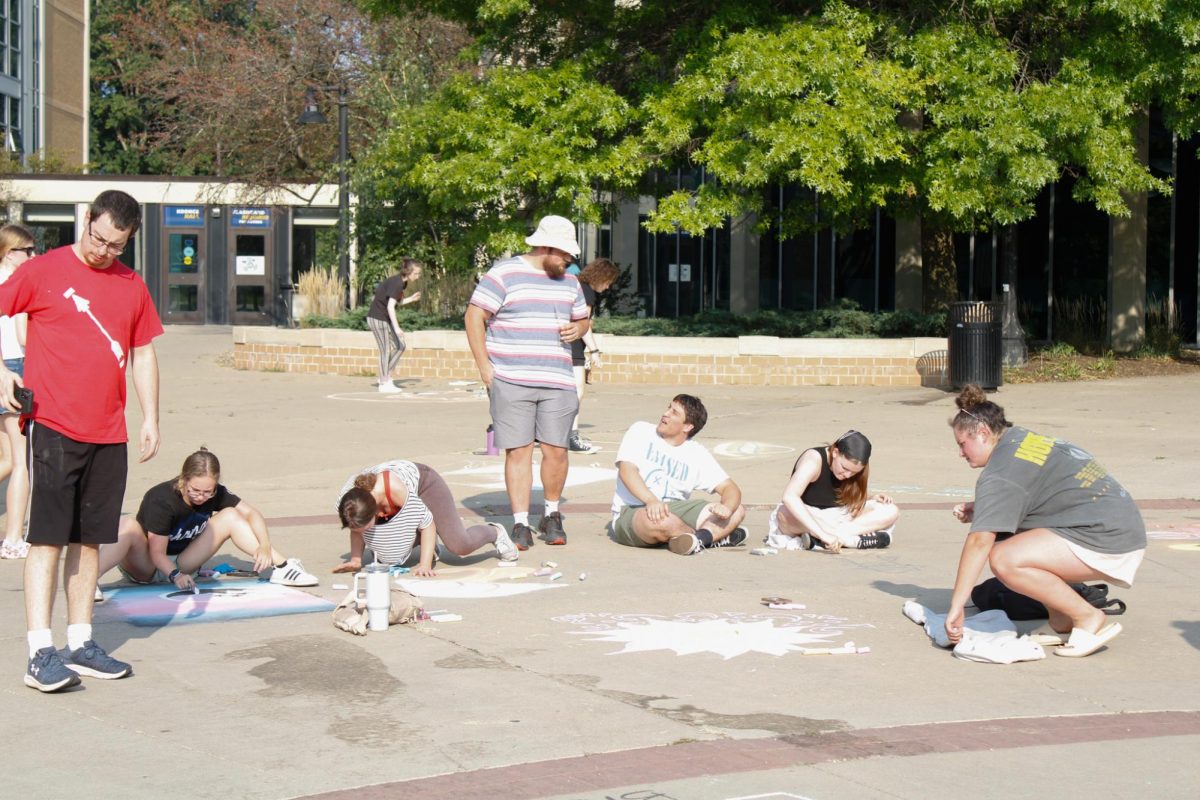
{"points": [[764, 551], [444, 616], [543, 572], [556, 576], [583, 576], [549, 564], [506, 564], [339, 586]]}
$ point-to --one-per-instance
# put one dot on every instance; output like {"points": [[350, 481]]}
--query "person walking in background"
{"points": [[89, 317], [520, 323], [16, 247], [595, 279], [381, 318]]}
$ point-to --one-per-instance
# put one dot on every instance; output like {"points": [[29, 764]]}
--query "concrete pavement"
{"points": [[506, 702]]}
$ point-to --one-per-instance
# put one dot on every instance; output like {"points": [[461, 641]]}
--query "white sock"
{"points": [[551, 507], [77, 635], [38, 640], [521, 518]]}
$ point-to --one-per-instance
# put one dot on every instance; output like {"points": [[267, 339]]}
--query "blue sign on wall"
{"points": [[183, 216], [250, 217]]}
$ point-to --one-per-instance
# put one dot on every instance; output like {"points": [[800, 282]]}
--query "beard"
{"points": [[554, 265]]}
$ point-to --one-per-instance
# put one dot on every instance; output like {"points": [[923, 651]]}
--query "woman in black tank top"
{"points": [[826, 501]]}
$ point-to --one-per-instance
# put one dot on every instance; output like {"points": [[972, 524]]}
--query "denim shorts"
{"points": [[16, 365]]}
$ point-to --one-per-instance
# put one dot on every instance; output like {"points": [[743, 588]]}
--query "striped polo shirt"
{"points": [[528, 307], [392, 541]]}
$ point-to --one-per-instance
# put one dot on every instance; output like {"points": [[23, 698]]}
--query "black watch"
{"points": [[174, 574]]}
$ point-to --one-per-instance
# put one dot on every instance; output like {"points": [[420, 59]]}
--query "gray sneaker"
{"points": [[47, 673], [92, 661]]}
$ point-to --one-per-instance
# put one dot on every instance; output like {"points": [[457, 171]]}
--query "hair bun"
{"points": [[971, 397]]}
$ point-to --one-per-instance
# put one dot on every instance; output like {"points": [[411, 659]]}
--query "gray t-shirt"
{"points": [[1033, 481]]}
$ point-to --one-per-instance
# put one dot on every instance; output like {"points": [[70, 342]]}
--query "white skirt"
{"points": [[1119, 568]]}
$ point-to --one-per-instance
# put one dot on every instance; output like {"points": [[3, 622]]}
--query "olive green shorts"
{"points": [[622, 527]]}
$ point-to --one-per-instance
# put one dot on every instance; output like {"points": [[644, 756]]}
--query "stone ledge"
{"points": [[746, 360]]}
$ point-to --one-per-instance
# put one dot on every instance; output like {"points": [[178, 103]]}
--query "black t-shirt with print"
{"points": [[164, 513]]}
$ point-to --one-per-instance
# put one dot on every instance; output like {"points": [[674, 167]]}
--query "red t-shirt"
{"points": [[82, 324]]}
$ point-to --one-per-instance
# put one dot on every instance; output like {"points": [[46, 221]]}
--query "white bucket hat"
{"points": [[556, 232]]}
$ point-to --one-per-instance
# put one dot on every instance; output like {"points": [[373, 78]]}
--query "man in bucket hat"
{"points": [[520, 323]]}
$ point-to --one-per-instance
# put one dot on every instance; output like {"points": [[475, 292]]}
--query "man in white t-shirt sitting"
{"points": [[658, 467]]}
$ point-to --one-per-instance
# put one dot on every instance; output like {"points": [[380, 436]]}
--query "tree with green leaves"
{"points": [[960, 114]]}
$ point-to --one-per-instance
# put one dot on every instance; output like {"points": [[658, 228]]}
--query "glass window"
{"points": [[183, 253], [250, 298], [182, 299]]}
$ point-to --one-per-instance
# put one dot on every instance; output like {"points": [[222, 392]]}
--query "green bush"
{"points": [[846, 322]]}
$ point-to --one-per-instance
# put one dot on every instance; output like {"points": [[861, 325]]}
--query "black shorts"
{"points": [[76, 488]]}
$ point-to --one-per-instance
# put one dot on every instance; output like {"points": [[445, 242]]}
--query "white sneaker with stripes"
{"points": [[292, 574]]}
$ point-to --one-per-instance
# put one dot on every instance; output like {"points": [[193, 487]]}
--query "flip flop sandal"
{"points": [[1048, 639], [1081, 643]]}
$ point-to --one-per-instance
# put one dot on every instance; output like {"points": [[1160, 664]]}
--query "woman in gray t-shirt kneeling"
{"points": [[1075, 523]]}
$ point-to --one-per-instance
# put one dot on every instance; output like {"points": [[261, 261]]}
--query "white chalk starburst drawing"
{"points": [[727, 635]]}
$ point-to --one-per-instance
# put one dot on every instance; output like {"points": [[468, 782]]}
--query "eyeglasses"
{"points": [[206, 493], [112, 247], [29, 251]]}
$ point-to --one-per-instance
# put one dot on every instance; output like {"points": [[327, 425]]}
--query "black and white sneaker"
{"points": [[578, 444], [874, 541], [736, 538]]}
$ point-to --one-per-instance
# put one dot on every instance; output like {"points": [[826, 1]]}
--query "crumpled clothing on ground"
{"points": [[989, 637]]}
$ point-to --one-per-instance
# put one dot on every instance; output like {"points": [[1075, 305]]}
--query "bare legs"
{"points": [[17, 496], [839, 525], [672, 525], [1038, 563]]}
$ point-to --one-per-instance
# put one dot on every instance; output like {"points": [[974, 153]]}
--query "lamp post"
{"points": [[312, 116]]}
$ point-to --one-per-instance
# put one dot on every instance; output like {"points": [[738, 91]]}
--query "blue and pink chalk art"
{"points": [[217, 601]]}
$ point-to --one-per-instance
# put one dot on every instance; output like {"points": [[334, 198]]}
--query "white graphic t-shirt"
{"points": [[672, 473]]}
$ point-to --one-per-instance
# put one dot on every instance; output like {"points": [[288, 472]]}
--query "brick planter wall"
{"points": [[750, 360]]}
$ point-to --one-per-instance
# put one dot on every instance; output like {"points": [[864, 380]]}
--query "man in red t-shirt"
{"points": [[89, 317]]}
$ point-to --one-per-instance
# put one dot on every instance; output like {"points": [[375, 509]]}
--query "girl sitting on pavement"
{"points": [[826, 503], [387, 505], [1045, 514], [182, 522]]}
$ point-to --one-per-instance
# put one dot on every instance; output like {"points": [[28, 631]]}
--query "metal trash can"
{"points": [[976, 344]]}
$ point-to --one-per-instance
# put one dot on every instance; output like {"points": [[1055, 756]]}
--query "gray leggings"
{"points": [[457, 538], [391, 346]]}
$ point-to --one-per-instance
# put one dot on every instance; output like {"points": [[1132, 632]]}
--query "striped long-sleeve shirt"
{"points": [[528, 307]]}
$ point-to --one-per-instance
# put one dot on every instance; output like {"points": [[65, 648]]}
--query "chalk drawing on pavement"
{"points": [[728, 634]]}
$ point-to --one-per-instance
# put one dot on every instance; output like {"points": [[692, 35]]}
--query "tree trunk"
{"points": [[939, 283]]}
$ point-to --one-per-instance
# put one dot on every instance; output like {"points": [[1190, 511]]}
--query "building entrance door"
{"points": [[183, 268], [250, 265]]}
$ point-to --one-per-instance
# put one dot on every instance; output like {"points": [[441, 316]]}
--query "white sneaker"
{"points": [[505, 549], [292, 574], [389, 388]]}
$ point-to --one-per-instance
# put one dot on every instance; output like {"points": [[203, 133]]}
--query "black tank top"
{"points": [[821, 493]]}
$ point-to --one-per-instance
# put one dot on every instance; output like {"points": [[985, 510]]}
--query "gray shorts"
{"points": [[687, 510], [522, 415]]}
